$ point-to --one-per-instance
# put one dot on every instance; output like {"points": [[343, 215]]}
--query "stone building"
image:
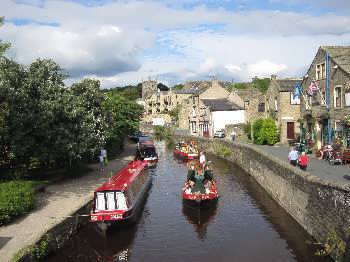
{"points": [[324, 114], [206, 111], [253, 102], [158, 101], [283, 108]]}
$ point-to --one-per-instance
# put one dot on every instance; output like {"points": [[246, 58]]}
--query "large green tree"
{"points": [[3, 46], [123, 117]]}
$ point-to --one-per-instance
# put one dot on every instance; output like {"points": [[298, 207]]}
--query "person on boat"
{"points": [[202, 159], [198, 186], [293, 156]]}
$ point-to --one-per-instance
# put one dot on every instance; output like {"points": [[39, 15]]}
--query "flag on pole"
{"points": [[312, 88], [297, 91]]}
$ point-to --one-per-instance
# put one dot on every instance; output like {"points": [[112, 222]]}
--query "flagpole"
{"points": [[328, 100]]}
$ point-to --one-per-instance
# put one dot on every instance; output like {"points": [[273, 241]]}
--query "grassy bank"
{"points": [[16, 198]]}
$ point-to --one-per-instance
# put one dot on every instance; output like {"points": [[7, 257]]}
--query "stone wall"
{"points": [[319, 207]]}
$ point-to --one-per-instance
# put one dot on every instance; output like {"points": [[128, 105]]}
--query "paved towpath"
{"points": [[57, 202], [317, 167]]}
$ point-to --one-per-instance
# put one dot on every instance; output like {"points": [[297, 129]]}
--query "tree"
{"points": [[123, 117], [265, 131], [261, 84], [3, 46]]}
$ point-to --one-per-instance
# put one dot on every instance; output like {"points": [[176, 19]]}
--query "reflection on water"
{"points": [[199, 218], [246, 225]]}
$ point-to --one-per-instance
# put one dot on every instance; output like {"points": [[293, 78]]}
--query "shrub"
{"points": [[265, 131], [162, 133], [16, 198], [222, 150], [247, 130]]}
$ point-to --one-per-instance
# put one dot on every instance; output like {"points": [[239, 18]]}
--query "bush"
{"points": [[247, 130], [162, 133], [265, 132], [222, 150], [16, 198]]}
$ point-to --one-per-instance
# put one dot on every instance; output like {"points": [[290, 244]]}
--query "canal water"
{"points": [[246, 225]]}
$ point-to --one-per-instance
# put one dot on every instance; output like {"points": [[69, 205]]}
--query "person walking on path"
{"points": [[102, 163], [303, 161], [233, 135], [293, 156], [104, 155]]}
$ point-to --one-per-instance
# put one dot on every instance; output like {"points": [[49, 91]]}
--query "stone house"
{"points": [[159, 102], [206, 111], [253, 102], [283, 108], [324, 113]]}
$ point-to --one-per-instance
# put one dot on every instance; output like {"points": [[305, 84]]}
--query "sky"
{"points": [[124, 42]]}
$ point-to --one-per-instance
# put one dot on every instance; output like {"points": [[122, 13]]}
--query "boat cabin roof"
{"points": [[147, 144], [123, 178]]}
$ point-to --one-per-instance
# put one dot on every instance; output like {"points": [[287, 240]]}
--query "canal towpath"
{"points": [[55, 204], [317, 167]]}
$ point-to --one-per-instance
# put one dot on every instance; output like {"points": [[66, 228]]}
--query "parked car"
{"points": [[136, 136], [219, 133]]}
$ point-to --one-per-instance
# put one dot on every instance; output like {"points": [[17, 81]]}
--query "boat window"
{"points": [[100, 201], [149, 152], [110, 200], [121, 201]]}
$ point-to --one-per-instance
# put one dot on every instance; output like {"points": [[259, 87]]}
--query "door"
{"points": [[290, 130]]}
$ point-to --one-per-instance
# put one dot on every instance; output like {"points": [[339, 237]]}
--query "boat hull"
{"points": [[201, 200], [184, 156]]}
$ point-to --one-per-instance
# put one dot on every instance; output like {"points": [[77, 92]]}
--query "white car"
{"points": [[219, 134]]}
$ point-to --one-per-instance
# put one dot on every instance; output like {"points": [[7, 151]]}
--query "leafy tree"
{"points": [[178, 87], [123, 117], [261, 84], [130, 92], [175, 113], [3, 46]]}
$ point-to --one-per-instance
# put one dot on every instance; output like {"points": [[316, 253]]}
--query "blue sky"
{"points": [[123, 42]]}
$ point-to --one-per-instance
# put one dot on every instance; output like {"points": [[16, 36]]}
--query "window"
{"points": [[321, 71], [261, 107], [337, 96], [294, 100], [276, 104], [246, 104], [193, 126], [347, 99]]}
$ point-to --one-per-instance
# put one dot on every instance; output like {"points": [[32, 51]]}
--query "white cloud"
{"points": [[112, 42], [265, 67]]}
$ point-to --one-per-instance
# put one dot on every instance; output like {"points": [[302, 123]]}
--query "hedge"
{"points": [[16, 198]]}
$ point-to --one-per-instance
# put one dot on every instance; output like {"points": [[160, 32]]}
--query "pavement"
{"points": [[55, 204], [317, 167]]}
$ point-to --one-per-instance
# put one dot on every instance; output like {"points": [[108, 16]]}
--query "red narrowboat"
{"points": [[121, 198], [185, 152], [146, 151]]}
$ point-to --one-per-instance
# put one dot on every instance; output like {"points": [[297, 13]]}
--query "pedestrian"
{"points": [[293, 156], [303, 161], [233, 135], [104, 155], [102, 163], [202, 159]]}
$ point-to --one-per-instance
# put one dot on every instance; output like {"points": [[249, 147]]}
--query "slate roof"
{"points": [[221, 105], [188, 91], [340, 55], [287, 85]]}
